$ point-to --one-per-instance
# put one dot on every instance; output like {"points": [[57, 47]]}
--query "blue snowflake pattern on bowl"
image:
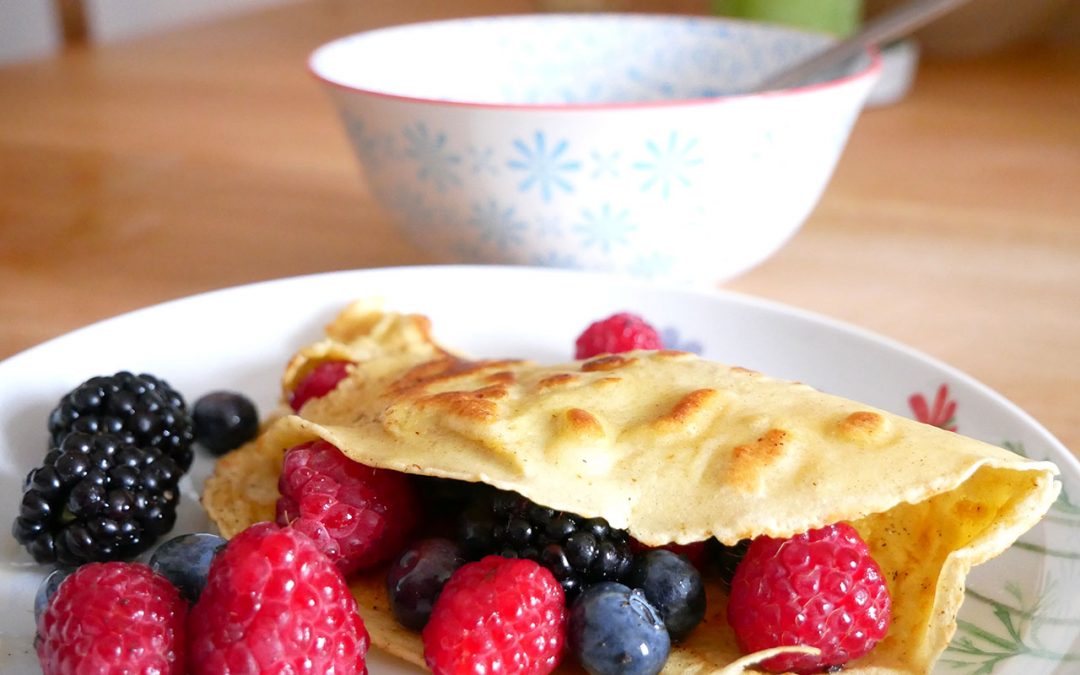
{"points": [[543, 166], [435, 161], [604, 228], [548, 226], [481, 160], [653, 265], [498, 224], [605, 163], [372, 149], [668, 164]]}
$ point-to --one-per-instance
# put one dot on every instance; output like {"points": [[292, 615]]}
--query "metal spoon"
{"points": [[890, 25]]}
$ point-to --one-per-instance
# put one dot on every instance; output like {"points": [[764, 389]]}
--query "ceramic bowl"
{"points": [[612, 142]]}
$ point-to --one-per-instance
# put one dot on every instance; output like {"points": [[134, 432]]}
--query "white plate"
{"points": [[1022, 613]]}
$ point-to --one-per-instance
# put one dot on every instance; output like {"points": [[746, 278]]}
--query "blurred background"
{"points": [[35, 28], [152, 149]]}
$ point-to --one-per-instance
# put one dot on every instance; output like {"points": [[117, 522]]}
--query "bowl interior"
{"points": [[567, 59]]}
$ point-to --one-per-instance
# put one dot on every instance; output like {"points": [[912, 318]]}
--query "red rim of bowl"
{"points": [[873, 67]]}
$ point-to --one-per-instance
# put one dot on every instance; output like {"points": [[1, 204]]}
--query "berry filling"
{"points": [[694, 552], [674, 587], [322, 380], [358, 516], [818, 589], [578, 551], [417, 578], [497, 615], [615, 630]]}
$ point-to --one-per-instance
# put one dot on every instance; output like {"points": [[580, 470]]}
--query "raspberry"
{"points": [[618, 333], [319, 382], [275, 603], [497, 615], [358, 516], [819, 589], [113, 617]]}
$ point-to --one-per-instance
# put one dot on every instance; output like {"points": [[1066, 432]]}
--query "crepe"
{"points": [[672, 448]]}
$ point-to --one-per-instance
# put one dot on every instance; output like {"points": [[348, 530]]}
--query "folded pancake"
{"points": [[668, 446]]}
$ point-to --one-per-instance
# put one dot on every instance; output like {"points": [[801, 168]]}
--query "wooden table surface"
{"points": [[207, 157]]}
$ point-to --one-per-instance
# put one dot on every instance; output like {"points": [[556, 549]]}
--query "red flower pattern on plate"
{"points": [[941, 414]]}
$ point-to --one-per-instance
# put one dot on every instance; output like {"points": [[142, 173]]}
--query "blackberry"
{"points": [[442, 501], [446, 495], [143, 409], [97, 498], [578, 551], [726, 558]]}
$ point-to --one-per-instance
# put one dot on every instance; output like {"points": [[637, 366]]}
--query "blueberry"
{"points": [[614, 630], [47, 588], [418, 576], [185, 561], [224, 420], [674, 587]]}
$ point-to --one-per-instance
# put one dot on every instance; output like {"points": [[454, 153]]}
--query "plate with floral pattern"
{"points": [[1022, 609]]}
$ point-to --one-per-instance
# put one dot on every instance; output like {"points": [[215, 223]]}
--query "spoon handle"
{"points": [[890, 25]]}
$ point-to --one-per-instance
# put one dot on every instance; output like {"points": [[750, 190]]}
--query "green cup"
{"points": [[839, 17]]}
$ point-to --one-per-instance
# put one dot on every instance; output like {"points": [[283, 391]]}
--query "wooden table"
{"points": [[141, 172]]}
